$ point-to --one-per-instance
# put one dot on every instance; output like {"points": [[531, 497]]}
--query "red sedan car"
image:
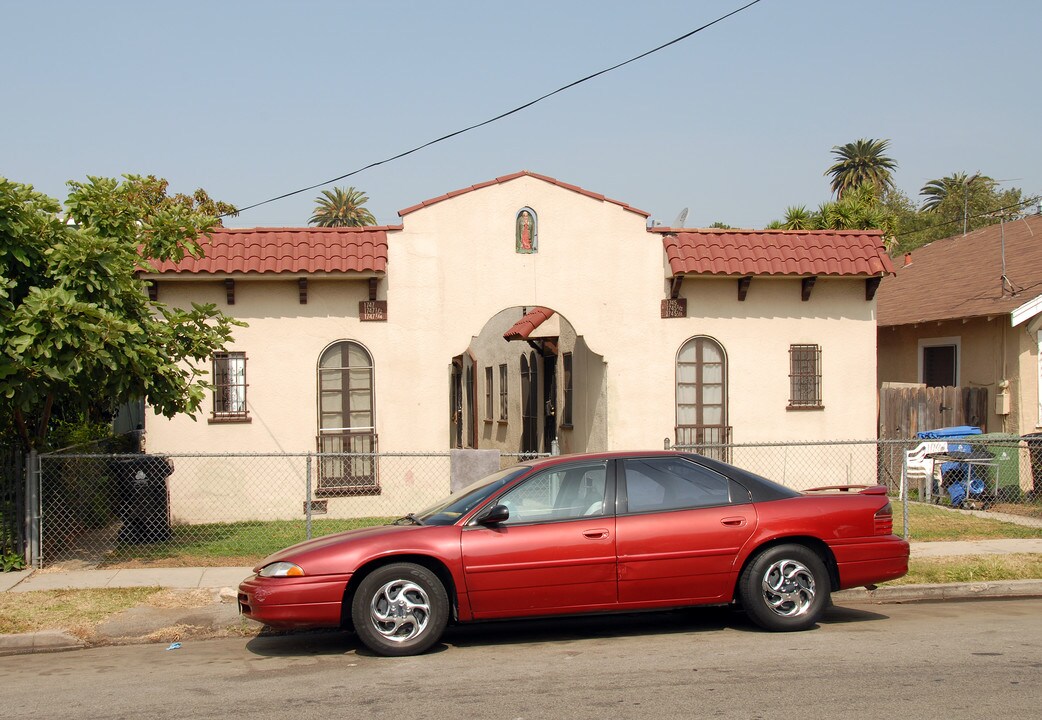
{"points": [[610, 532]]}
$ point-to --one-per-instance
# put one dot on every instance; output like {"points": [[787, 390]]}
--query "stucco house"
{"points": [[527, 314], [966, 312]]}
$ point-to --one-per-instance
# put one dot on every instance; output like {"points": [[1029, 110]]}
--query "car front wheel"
{"points": [[785, 588], [400, 609]]}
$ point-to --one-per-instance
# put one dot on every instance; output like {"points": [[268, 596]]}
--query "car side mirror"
{"points": [[495, 514]]}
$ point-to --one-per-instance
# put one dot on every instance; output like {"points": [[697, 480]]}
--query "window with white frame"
{"points": [[229, 387], [939, 361]]}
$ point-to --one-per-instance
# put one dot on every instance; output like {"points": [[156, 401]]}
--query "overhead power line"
{"points": [[508, 113]]}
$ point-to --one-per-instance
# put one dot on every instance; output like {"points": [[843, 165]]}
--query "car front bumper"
{"points": [[293, 602]]}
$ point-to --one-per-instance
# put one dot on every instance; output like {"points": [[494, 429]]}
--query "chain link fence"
{"points": [[234, 509], [222, 509]]}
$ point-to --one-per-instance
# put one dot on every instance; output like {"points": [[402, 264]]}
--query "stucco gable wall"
{"points": [[454, 266]]}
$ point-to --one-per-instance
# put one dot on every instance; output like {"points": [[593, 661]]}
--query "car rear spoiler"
{"points": [[860, 489]]}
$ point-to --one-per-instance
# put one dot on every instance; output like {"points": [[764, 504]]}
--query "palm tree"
{"points": [[797, 217], [342, 208], [955, 185], [859, 209], [861, 162]]}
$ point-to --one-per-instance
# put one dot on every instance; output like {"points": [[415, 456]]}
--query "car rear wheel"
{"points": [[400, 609], [785, 588]]}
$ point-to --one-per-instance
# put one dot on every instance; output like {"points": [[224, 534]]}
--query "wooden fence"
{"points": [[906, 409]]}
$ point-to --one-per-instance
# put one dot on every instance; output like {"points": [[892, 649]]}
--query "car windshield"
{"points": [[452, 508]]}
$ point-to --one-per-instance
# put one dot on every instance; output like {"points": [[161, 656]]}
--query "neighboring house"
{"points": [[966, 311], [523, 314]]}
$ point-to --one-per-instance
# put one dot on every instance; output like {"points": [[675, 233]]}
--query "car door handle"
{"points": [[597, 534], [733, 521]]}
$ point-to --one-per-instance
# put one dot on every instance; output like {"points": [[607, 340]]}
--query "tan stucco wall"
{"points": [[990, 351], [454, 267]]}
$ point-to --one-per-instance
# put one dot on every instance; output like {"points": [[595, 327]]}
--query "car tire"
{"points": [[785, 588], [400, 609]]}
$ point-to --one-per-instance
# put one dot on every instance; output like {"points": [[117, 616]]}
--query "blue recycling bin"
{"points": [[954, 471], [957, 491]]}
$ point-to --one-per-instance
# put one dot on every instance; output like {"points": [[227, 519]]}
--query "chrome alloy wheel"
{"points": [[788, 588], [399, 610]]}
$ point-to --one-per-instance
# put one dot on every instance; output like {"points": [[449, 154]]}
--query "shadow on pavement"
{"points": [[561, 629], [838, 615], [311, 642]]}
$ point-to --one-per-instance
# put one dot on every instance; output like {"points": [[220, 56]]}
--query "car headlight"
{"points": [[282, 569]]}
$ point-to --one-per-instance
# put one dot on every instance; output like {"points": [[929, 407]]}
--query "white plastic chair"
{"points": [[919, 468]]}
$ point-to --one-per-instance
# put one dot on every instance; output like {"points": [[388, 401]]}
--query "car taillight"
{"points": [[884, 520]]}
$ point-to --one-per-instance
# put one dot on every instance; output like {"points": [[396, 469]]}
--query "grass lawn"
{"points": [[972, 568], [75, 610], [228, 544], [930, 523]]}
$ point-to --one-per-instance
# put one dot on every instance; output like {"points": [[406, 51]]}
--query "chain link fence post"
{"points": [[307, 503], [33, 528]]}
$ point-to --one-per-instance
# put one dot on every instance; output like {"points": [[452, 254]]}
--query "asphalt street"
{"points": [[950, 660]]}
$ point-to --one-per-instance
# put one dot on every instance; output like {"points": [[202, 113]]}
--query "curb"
{"points": [[212, 620], [39, 642], [941, 592]]}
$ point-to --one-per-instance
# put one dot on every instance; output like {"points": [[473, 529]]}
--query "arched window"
{"points": [[346, 422], [702, 394]]}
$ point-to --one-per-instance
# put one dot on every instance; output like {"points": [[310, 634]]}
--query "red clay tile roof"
{"points": [[515, 176], [526, 325], [775, 252], [288, 250], [961, 277]]}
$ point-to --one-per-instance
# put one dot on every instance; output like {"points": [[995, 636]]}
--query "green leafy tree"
{"points": [[76, 325], [953, 204], [862, 162], [342, 208], [956, 185], [721, 226]]}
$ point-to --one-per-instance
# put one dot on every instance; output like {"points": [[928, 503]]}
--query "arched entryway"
{"points": [[528, 383]]}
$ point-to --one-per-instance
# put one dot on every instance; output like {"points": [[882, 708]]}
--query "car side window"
{"points": [[656, 484], [567, 493]]}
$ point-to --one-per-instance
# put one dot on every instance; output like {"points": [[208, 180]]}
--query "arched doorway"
{"points": [[530, 384]]}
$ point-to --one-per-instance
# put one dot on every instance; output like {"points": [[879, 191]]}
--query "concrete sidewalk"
{"points": [[182, 578]]}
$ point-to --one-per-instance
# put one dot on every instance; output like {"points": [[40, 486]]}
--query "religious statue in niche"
{"points": [[526, 235]]}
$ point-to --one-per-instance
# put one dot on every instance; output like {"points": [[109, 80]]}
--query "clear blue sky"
{"points": [[250, 99]]}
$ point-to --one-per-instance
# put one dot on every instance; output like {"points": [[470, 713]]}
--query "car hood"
{"points": [[336, 544]]}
